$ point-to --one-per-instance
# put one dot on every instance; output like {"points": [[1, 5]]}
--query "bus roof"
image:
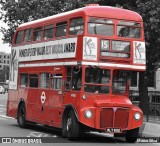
{"points": [[95, 11]]}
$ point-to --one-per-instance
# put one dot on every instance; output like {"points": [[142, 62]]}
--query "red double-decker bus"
{"points": [[72, 71]]}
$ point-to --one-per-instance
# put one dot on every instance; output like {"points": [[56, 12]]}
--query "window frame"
{"points": [[83, 24], [58, 25], [129, 26], [20, 75], [22, 37], [100, 18], [52, 77], [107, 85], [49, 80], [31, 35], [34, 39], [37, 80], [53, 33]]}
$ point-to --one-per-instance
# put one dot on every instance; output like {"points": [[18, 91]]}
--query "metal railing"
{"points": [[154, 104]]}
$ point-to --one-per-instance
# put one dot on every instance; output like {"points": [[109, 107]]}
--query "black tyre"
{"points": [[21, 119], [70, 126], [132, 135]]}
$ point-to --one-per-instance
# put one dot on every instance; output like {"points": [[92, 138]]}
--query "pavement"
{"points": [[150, 128]]}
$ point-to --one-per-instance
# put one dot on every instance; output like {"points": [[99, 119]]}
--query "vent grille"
{"points": [[110, 118]]}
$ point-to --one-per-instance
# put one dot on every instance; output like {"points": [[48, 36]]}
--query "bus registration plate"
{"points": [[113, 130]]}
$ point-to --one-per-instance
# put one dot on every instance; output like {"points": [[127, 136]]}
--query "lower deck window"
{"points": [[44, 80], [23, 80], [56, 81], [33, 80]]}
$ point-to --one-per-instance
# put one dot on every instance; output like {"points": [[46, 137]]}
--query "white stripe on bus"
{"points": [[84, 63], [3, 116], [114, 65]]}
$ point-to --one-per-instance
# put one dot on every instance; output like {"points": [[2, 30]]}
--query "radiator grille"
{"points": [[106, 118], [111, 118]]}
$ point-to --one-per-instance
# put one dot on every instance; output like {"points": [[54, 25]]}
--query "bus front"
{"points": [[112, 49]]}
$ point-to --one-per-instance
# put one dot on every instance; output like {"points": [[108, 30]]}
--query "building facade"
{"points": [[4, 59]]}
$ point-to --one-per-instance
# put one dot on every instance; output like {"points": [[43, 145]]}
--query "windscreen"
{"points": [[120, 79], [97, 80]]}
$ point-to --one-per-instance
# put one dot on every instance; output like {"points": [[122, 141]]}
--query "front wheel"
{"points": [[21, 119], [132, 135], [70, 126]]}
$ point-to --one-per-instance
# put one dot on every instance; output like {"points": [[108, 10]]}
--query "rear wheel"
{"points": [[70, 126], [132, 135], [21, 119]]}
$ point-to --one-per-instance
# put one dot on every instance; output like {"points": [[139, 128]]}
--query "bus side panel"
{"points": [[54, 107], [31, 104], [12, 103], [79, 48], [72, 98]]}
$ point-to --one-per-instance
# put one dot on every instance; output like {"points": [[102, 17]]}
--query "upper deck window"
{"points": [[28, 35], [19, 37], [128, 29], [37, 34], [48, 32], [61, 29], [76, 26], [100, 26]]}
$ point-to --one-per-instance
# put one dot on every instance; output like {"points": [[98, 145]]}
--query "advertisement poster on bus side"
{"points": [[58, 49], [139, 55], [90, 48]]}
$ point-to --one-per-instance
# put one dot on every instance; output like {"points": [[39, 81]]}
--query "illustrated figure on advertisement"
{"points": [[137, 50], [88, 44], [13, 65]]}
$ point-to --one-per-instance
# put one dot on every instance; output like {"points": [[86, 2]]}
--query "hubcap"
{"points": [[69, 121]]}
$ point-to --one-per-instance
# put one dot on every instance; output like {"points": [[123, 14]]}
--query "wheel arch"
{"points": [[66, 111], [20, 103]]}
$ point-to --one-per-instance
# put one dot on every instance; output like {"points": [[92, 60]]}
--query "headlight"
{"points": [[88, 114], [137, 116], [84, 97]]}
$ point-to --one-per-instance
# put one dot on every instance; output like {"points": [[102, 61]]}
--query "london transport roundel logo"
{"points": [[43, 97]]}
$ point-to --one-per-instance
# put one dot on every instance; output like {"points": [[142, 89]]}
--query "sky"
{"points": [[3, 47]]}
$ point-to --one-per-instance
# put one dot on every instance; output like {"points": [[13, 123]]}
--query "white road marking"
{"points": [[102, 134], [40, 134], [3, 116], [156, 144]]}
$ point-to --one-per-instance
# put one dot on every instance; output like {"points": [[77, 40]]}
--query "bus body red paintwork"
{"points": [[118, 108]]}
